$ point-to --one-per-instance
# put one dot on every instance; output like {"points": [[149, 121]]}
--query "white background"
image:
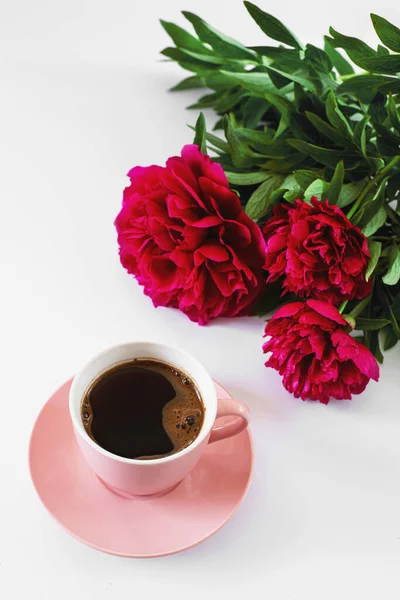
{"points": [[83, 99]]}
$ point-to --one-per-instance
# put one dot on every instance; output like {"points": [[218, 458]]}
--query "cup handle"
{"points": [[230, 407]]}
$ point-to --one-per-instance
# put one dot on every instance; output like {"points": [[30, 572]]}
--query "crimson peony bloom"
{"points": [[185, 237], [311, 348], [317, 251]]}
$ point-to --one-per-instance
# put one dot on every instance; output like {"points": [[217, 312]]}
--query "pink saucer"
{"points": [[198, 507]]}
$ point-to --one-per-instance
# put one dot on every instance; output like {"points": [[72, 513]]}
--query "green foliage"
{"points": [[389, 34], [375, 249], [301, 120], [271, 26], [200, 133], [261, 201], [371, 324], [392, 275]]}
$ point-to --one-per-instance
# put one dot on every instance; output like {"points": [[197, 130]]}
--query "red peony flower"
{"points": [[311, 348], [317, 251], [184, 235]]}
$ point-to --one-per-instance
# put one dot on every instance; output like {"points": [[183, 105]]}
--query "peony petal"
{"points": [[182, 258], [350, 349], [277, 242], [288, 310], [212, 251], [201, 164], [327, 311], [145, 179], [183, 213], [164, 273], [219, 199]]}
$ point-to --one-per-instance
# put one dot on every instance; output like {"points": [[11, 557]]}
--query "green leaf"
{"points": [[272, 27], [255, 82], [279, 80], [183, 39], [304, 178], [395, 324], [260, 202], [375, 252], [287, 110], [388, 34], [377, 109], [262, 142], [228, 99], [393, 186], [375, 346], [321, 155], [388, 143], [284, 106], [223, 44], [285, 58], [336, 117], [200, 68], [289, 190], [258, 137], [392, 275], [360, 138], [284, 165], [371, 324], [393, 113], [289, 181], [206, 101], [327, 130], [217, 142], [390, 339], [360, 307], [253, 111], [190, 83], [375, 223], [293, 194], [378, 163], [217, 81], [247, 178], [316, 188], [200, 133], [278, 195], [389, 64], [393, 216], [350, 192], [356, 49], [305, 82], [396, 306], [318, 58], [370, 206], [333, 191], [381, 50], [202, 60], [242, 156], [364, 87], [339, 62]]}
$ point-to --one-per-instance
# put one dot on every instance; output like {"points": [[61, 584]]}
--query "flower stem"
{"points": [[342, 306], [360, 306], [377, 179]]}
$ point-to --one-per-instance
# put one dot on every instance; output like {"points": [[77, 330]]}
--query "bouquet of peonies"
{"points": [[298, 211]]}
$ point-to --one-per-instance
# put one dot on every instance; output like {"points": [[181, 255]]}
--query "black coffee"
{"points": [[143, 409]]}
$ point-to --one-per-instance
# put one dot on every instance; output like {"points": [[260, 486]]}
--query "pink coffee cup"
{"points": [[130, 477]]}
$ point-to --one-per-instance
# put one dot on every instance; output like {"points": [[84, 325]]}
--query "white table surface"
{"points": [[83, 99]]}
